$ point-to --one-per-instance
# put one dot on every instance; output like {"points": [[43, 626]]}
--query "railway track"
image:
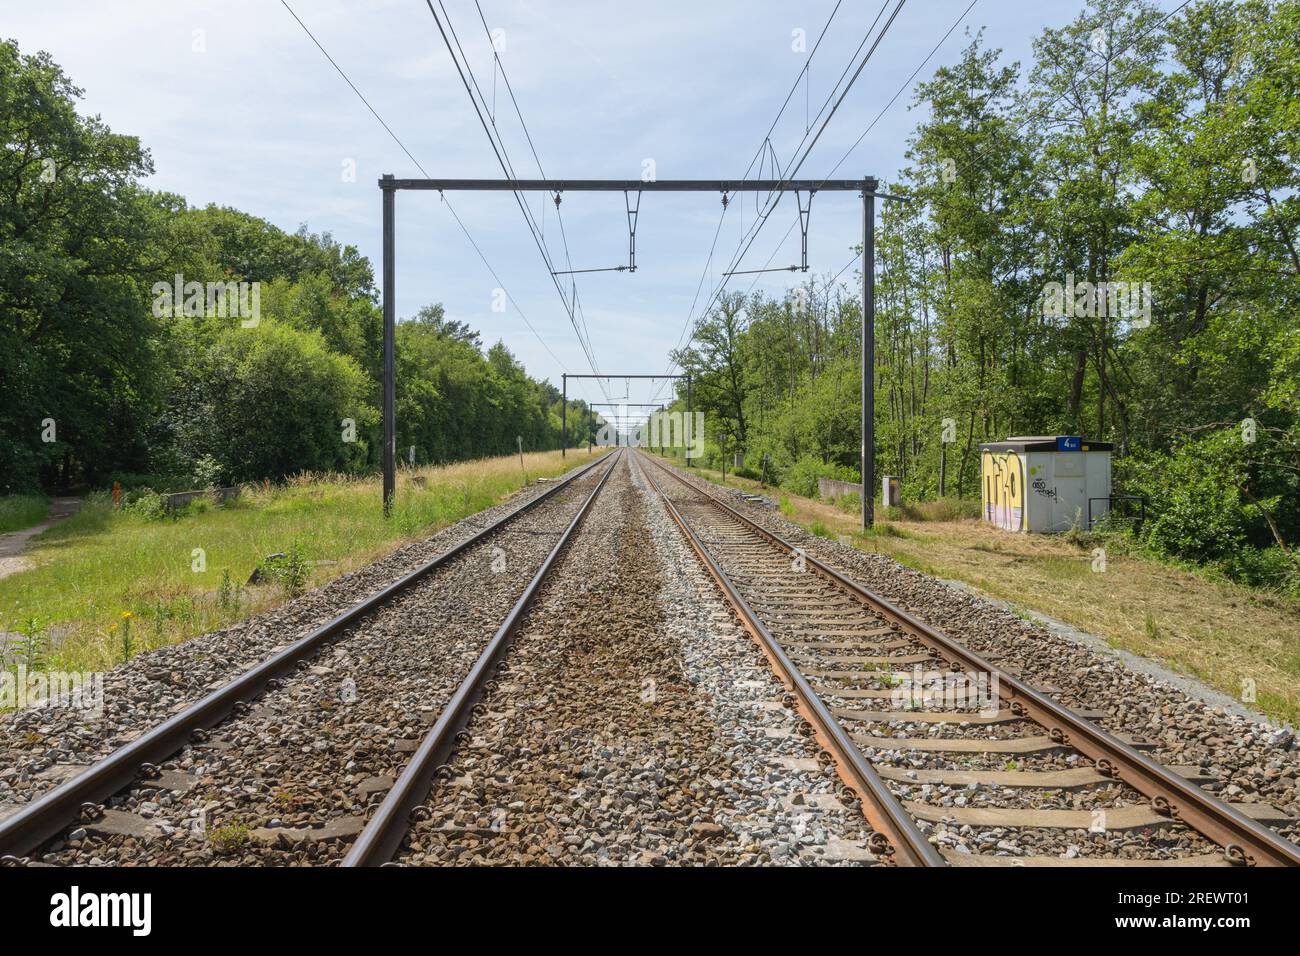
{"points": [[355, 680], [400, 731], [931, 737], [632, 723], [387, 828]]}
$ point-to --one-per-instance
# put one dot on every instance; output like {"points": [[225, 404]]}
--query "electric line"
{"points": [[420, 167], [537, 158], [797, 166], [764, 144], [748, 240], [899, 92], [502, 156], [870, 126], [349, 82], [767, 140]]}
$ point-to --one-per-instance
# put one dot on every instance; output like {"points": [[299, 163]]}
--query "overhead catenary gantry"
{"points": [[564, 403], [627, 420], [630, 187]]}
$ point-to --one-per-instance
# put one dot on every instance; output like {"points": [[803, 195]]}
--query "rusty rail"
{"points": [[882, 810], [48, 814], [1244, 840]]}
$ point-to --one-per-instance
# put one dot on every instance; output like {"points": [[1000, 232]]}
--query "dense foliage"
{"points": [[1132, 151], [103, 378]]}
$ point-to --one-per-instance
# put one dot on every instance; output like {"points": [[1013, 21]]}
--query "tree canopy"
{"points": [[1161, 156], [98, 382]]}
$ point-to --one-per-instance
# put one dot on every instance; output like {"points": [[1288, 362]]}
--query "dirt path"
{"points": [[13, 544]]}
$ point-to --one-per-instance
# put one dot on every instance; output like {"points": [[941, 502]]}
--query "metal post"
{"points": [[390, 349], [690, 422], [564, 417], [868, 357], [390, 186]]}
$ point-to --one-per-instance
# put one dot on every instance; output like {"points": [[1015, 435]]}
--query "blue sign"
{"points": [[1069, 443]]}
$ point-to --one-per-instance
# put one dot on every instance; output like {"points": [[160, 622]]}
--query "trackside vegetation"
{"points": [[1132, 153], [67, 611]]}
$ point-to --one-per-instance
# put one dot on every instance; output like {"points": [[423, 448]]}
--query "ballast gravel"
{"points": [[636, 723], [1249, 760]]}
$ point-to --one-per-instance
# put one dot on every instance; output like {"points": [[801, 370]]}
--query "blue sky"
{"points": [[258, 119]]}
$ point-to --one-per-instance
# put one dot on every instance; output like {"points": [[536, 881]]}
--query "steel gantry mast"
{"points": [[866, 187]]}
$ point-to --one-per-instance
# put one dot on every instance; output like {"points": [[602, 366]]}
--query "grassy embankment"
{"points": [[22, 511], [100, 564], [1222, 633]]}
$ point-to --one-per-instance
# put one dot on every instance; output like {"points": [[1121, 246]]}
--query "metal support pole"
{"points": [[564, 417], [390, 349], [867, 187], [690, 423], [868, 358]]}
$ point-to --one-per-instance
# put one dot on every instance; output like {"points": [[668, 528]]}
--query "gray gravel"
{"points": [[638, 724]]}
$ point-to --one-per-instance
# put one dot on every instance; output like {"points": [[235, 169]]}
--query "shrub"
{"points": [[801, 477], [1195, 509], [283, 395], [288, 570], [1270, 568], [145, 503], [206, 472]]}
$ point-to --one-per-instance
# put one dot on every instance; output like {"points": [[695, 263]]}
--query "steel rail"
{"points": [[1244, 840], [881, 808], [384, 832], [51, 812]]}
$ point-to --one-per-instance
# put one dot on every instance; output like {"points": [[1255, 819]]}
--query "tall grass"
{"points": [[184, 574], [22, 511], [941, 509]]}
